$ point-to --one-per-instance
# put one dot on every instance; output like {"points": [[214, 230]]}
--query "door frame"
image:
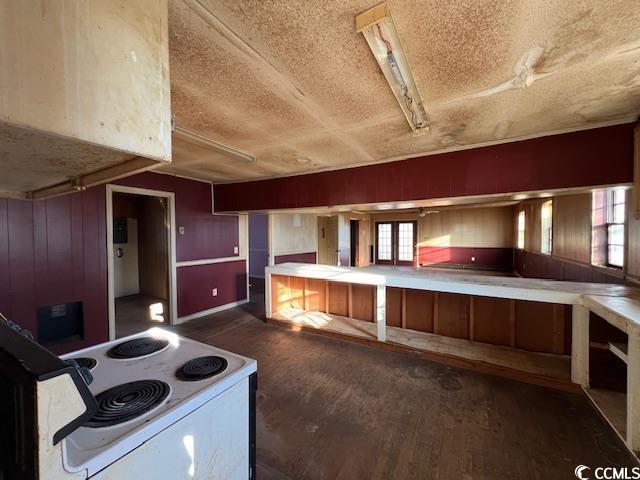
{"points": [[354, 242], [171, 250], [394, 244], [405, 263]]}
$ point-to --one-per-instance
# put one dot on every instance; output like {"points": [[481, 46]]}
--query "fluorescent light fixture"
{"points": [[380, 32], [213, 144]]}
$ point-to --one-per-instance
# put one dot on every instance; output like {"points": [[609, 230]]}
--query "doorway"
{"points": [[258, 253], [396, 243], [141, 260], [354, 247]]}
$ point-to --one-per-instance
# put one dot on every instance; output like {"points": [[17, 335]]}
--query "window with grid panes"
{"points": [[607, 235], [405, 242], [546, 216], [384, 241], [521, 223]]}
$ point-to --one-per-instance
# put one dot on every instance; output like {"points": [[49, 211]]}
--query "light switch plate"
{"points": [[181, 230]]}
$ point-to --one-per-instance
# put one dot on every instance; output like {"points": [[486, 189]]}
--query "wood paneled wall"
{"points": [[572, 227], [468, 227], [633, 245], [461, 227], [337, 298], [478, 237], [570, 258], [532, 230], [533, 326], [55, 251], [601, 156]]}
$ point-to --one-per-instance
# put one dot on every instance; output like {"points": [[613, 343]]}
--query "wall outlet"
{"points": [[473, 259], [181, 230], [214, 292], [235, 250]]}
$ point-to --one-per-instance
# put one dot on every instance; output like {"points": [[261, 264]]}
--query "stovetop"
{"points": [[177, 393]]}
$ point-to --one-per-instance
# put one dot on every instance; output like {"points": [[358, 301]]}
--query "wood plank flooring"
{"points": [[133, 314], [332, 409]]}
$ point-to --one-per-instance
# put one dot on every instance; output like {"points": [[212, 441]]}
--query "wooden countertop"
{"points": [[619, 311], [619, 304]]}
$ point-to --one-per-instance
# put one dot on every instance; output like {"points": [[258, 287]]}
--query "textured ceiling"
{"points": [[295, 84]]}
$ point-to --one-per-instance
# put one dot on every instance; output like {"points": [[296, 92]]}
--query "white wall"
{"points": [[291, 233], [125, 268]]}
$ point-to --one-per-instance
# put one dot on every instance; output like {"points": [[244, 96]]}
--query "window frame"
{"points": [[520, 242], [395, 233], [612, 221], [610, 201], [546, 230], [384, 261]]}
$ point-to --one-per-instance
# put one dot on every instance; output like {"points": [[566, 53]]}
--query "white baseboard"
{"points": [[211, 311]]}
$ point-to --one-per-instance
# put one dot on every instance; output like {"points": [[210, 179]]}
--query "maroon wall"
{"points": [[485, 257], [55, 251], [195, 285], [535, 265], [206, 236], [309, 257], [593, 157], [52, 252]]}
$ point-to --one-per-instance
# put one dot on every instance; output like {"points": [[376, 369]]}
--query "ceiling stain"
{"points": [[294, 80]]}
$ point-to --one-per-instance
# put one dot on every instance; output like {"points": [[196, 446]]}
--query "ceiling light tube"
{"points": [[380, 32], [220, 147]]}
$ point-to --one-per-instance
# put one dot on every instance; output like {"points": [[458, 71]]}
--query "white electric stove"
{"points": [[152, 382]]}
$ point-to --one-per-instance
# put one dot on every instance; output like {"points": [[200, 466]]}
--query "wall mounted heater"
{"points": [[213, 144], [380, 32]]}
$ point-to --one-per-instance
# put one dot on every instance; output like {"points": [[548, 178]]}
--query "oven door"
{"points": [[18, 432]]}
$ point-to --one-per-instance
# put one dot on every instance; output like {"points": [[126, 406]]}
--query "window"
{"points": [[396, 243], [607, 227], [546, 216], [405, 242], [384, 241], [521, 230]]}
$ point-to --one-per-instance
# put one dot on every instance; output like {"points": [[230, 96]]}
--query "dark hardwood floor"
{"points": [[136, 313], [331, 409]]}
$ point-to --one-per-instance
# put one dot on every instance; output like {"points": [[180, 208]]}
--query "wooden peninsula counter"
{"points": [[530, 329]]}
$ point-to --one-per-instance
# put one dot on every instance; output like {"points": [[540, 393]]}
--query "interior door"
{"points": [[396, 243], [332, 240], [328, 240]]}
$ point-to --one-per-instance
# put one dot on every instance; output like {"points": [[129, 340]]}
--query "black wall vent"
{"points": [[60, 323]]}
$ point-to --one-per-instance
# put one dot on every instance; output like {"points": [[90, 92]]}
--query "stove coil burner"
{"points": [[138, 347], [128, 401], [201, 368], [86, 362]]}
